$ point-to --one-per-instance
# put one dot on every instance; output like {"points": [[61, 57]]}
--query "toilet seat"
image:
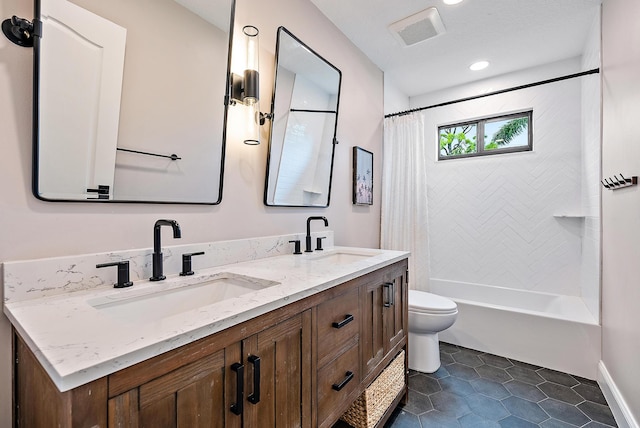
{"points": [[423, 302]]}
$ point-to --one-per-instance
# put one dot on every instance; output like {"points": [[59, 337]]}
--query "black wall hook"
{"points": [[618, 183], [19, 30]]}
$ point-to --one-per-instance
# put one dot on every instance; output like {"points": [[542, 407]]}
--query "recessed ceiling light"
{"points": [[480, 65], [451, 1]]}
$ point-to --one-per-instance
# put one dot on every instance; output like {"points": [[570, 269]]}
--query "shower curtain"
{"points": [[404, 220]]}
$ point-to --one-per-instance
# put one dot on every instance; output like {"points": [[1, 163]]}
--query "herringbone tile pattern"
{"points": [[493, 227]]}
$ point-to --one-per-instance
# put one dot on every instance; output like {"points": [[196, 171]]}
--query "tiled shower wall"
{"points": [[507, 220]]}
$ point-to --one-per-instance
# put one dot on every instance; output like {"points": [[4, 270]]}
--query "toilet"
{"points": [[429, 314]]}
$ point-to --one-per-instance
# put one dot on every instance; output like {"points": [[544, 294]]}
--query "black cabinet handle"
{"points": [[345, 381], [255, 397], [347, 319], [388, 287], [237, 407]]}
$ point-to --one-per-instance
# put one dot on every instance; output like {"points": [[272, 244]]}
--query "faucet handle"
{"points": [[123, 273], [319, 243], [296, 249], [186, 263]]}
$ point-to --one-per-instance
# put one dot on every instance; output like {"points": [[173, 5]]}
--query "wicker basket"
{"points": [[367, 410]]}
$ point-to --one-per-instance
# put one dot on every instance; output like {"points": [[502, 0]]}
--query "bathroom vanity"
{"points": [[297, 352]]}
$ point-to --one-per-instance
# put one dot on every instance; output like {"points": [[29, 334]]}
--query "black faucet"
{"points": [[326, 223], [157, 249]]}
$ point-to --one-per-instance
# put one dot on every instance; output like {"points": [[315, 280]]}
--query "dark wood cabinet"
{"points": [[38, 403], [297, 366], [260, 381], [191, 386], [376, 308], [190, 396]]}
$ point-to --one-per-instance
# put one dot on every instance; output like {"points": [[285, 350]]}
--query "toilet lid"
{"points": [[420, 301]]}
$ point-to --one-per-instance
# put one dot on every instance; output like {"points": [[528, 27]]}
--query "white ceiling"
{"points": [[511, 34]]}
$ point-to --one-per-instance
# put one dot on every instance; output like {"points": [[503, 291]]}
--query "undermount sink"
{"points": [[344, 257], [195, 294]]}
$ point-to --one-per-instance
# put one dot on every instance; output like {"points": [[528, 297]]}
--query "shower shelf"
{"points": [[569, 215]]}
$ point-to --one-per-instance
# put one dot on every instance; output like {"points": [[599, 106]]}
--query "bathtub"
{"points": [[557, 332]]}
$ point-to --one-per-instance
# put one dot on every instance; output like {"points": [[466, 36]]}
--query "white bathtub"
{"points": [[557, 332]]}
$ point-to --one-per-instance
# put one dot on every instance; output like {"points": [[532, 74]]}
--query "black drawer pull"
{"points": [[347, 319], [237, 407], [254, 398], [345, 381]]}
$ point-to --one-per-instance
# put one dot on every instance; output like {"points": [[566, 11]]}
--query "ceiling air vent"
{"points": [[418, 27]]}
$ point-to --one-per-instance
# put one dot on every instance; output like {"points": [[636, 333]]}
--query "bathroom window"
{"points": [[492, 135]]}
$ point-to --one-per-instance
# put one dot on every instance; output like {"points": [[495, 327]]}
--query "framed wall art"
{"points": [[362, 176]]}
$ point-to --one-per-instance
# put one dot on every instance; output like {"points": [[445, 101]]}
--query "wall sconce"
{"points": [[245, 89], [21, 31]]}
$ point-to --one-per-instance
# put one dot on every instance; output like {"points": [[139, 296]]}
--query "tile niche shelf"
{"points": [[570, 214]]}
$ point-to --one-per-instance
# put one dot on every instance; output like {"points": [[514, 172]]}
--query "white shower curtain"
{"points": [[404, 220]]}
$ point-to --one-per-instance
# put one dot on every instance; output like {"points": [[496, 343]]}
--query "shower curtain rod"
{"points": [[501, 91]]}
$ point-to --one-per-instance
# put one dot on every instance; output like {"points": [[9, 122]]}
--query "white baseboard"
{"points": [[617, 404]]}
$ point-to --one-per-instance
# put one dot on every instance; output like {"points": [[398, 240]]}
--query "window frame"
{"points": [[480, 126]]}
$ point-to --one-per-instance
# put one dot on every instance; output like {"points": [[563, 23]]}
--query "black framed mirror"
{"points": [[130, 100], [304, 112]]}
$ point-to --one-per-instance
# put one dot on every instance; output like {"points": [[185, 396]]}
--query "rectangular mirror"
{"points": [[129, 100], [304, 121]]}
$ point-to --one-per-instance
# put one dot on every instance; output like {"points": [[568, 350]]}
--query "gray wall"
{"points": [[621, 209]]}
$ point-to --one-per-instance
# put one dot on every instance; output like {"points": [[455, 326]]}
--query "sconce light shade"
{"points": [[245, 89], [252, 70], [252, 123]]}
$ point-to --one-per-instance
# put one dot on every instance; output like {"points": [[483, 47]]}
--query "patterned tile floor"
{"points": [[476, 389]]}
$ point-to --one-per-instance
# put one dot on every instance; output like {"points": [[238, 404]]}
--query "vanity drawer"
{"points": [[336, 381], [338, 326]]}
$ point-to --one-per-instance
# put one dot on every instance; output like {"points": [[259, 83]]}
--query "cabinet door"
{"points": [[278, 375], [384, 323], [372, 333], [393, 319], [199, 394]]}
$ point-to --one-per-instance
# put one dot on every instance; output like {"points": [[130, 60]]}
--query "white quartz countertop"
{"points": [[77, 341]]}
